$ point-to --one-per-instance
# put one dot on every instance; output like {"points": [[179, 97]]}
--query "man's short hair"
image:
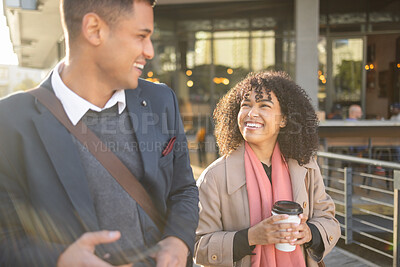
{"points": [[73, 11]]}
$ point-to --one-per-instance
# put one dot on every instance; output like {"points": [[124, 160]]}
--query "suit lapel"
{"points": [[143, 121], [66, 161]]}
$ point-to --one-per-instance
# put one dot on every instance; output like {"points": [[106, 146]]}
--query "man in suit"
{"points": [[58, 204]]}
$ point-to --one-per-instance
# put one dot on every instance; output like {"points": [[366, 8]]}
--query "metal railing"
{"points": [[365, 192]]}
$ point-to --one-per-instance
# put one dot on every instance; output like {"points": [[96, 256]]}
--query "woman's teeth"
{"points": [[253, 125]]}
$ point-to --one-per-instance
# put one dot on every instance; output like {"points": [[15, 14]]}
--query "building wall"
{"points": [[14, 78]]}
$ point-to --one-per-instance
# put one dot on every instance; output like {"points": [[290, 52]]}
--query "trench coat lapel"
{"points": [[143, 122], [235, 170], [64, 156], [297, 177]]}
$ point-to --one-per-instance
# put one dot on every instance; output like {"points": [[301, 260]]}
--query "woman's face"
{"points": [[260, 121]]}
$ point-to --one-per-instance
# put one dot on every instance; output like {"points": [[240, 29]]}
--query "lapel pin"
{"points": [[144, 103]]}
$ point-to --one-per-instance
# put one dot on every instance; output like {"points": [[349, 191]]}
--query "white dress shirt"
{"points": [[74, 105]]}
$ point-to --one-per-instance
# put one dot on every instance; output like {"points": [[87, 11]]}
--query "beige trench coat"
{"points": [[224, 209]]}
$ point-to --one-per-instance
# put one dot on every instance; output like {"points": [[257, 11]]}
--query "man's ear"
{"points": [[93, 28]]}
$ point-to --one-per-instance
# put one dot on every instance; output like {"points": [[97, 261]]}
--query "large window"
{"points": [[357, 50], [203, 50]]}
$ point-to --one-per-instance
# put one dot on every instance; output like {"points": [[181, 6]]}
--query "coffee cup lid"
{"points": [[287, 207]]}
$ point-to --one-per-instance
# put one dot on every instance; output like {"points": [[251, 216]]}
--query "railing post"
{"points": [[348, 201], [396, 218]]}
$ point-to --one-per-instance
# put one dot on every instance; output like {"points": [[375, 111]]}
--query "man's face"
{"points": [[126, 47], [358, 113]]}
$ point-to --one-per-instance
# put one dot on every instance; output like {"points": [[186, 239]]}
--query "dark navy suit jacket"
{"points": [[45, 203]]}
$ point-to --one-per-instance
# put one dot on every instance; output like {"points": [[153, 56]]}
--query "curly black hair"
{"points": [[297, 140]]}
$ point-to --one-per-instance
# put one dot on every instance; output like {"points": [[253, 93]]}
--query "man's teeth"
{"points": [[253, 125], [139, 66]]}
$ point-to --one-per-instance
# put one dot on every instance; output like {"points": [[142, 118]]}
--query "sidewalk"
{"points": [[342, 258], [339, 257]]}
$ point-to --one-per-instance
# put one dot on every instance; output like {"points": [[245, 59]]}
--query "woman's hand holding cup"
{"points": [[294, 211], [269, 231], [301, 233]]}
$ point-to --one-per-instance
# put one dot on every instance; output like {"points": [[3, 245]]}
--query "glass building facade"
{"points": [[359, 55], [202, 50]]}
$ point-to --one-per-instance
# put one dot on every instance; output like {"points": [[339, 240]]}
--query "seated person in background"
{"points": [[355, 113], [336, 113]]}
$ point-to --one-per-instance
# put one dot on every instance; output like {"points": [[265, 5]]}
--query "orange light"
{"points": [[324, 81], [371, 66], [319, 73], [189, 73], [154, 80], [322, 77], [189, 83], [229, 71], [398, 65], [366, 67], [150, 74], [223, 80]]}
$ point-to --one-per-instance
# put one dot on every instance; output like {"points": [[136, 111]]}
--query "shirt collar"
{"points": [[74, 105]]}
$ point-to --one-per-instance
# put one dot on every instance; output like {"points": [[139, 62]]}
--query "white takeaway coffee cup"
{"points": [[292, 209]]}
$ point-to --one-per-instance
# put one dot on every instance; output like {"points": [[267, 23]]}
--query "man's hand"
{"points": [[81, 252], [173, 253]]}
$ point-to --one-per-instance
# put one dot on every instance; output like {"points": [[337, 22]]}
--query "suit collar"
{"points": [[74, 105]]}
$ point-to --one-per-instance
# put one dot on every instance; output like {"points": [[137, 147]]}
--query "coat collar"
{"points": [[235, 171], [236, 175]]}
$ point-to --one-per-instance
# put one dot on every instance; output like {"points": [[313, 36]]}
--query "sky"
{"points": [[7, 55]]}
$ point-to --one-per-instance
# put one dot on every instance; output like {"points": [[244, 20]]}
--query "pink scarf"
{"points": [[262, 196]]}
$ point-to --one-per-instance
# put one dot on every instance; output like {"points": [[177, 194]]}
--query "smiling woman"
{"points": [[266, 129]]}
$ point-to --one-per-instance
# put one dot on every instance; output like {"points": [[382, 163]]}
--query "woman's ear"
{"points": [[283, 122]]}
